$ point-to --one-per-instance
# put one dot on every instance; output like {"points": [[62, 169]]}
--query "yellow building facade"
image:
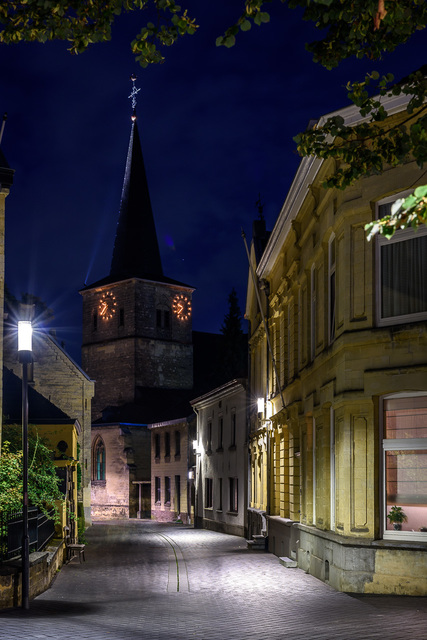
{"points": [[338, 353]]}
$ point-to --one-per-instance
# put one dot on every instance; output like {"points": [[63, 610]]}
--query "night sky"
{"points": [[216, 129]]}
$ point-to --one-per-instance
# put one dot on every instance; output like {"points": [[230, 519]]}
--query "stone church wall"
{"points": [[110, 497]]}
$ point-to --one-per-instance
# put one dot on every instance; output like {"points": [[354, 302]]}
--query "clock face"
{"points": [[107, 305], [181, 306]]}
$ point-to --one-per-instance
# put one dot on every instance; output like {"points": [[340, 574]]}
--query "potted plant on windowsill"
{"points": [[396, 516]]}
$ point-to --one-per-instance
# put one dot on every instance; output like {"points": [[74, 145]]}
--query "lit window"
{"points": [[401, 274], [405, 466]]}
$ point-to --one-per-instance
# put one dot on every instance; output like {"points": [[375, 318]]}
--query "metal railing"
{"points": [[41, 529]]}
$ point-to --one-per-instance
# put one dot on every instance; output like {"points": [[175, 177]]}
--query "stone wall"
{"points": [[43, 568]]}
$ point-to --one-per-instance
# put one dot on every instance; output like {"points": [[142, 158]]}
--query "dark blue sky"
{"points": [[216, 128]]}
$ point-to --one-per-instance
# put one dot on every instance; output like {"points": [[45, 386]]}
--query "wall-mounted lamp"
{"points": [[260, 404], [195, 447]]}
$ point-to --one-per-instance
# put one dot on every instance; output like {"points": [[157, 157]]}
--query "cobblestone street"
{"points": [[150, 581]]}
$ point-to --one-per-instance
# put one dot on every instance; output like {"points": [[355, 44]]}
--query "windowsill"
{"points": [[177, 457], [232, 447], [167, 504], [220, 450], [167, 458], [208, 509], [157, 459], [99, 483], [158, 504], [232, 513], [209, 452]]}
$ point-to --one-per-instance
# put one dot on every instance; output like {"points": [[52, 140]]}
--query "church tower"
{"points": [[137, 323]]}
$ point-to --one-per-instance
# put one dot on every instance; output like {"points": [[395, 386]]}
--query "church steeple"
{"points": [[136, 249]]}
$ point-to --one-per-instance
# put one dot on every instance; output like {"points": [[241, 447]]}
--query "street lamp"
{"points": [[25, 332]]}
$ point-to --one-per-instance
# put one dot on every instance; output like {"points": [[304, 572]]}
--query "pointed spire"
{"points": [[136, 249]]}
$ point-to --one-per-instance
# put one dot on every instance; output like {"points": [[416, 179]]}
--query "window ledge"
{"points": [[99, 483]]}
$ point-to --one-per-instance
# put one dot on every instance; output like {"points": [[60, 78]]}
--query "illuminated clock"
{"points": [[181, 306], [107, 305]]}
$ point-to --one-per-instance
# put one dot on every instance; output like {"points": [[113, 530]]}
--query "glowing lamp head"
{"points": [[194, 445], [25, 334], [260, 403]]}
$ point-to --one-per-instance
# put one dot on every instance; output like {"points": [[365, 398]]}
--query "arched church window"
{"points": [[99, 460]]}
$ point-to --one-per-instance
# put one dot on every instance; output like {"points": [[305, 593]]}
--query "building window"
{"points": [[219, 494], [121, 317], [157, 446], [157, 490], [99, 460], [405, 465], [220, 433], [167, 444], [208, 493], [177, 444], [209, 442], [332, 288], [233, 430], [401, 273], [234, 504], [178, 494], [313, 311], [167, 490], [95, 321]]}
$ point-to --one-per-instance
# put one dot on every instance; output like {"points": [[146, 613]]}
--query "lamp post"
{"points": [[25, 331]]}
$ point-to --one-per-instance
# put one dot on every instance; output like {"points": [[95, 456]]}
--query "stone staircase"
{"points": [[258, 543]]}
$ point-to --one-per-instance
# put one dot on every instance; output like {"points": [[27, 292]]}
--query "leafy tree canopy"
{"points": [[42, 479], [360, 28]]}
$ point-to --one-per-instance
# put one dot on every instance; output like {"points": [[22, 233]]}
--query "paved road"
{"points": [[146, 581]]}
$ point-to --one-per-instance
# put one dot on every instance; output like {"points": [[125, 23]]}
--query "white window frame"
{"points": [[399, 236], [398, 444]]}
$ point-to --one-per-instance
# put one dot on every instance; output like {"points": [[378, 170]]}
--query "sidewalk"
{"points": [[150, 581]]}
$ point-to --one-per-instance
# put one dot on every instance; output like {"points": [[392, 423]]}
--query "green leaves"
{"points": [[405, 213], [252, 13], [350, 27], [379, 141], [84, 22], [42, 479]]}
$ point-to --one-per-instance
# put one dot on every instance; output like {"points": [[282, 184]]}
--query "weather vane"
{"points": [[133, 95]]}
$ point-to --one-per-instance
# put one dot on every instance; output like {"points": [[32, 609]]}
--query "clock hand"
{"points": [[104, 308], [179, 307]]}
